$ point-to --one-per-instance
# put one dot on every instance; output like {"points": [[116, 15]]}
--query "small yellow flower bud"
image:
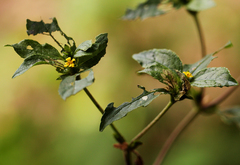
{"points": [[69, 62], [188, 74]]}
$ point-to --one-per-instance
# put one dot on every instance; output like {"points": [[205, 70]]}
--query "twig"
{"points": [[102, 111], [200, 33], [154, 121]]}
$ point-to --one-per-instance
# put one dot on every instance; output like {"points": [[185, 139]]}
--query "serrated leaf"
{"points": [[199, 5], [204, 62], [112, 113], [144, 10], [214, 77], [231, 115], [93, 54], [162, 56], [70, 86]]}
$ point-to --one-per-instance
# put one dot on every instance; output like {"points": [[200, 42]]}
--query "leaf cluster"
{"points": [[165, 66], [152, 8], [85, 56]]}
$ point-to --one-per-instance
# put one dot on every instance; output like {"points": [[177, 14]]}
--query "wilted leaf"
{"points": [[199, 5], [214, 77], [162, 56], [70, 86], [112, 113]]}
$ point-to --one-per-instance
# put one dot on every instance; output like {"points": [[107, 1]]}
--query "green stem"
{"points": [[200, 32], [154, 121], [176, 132], [121, 138], [203, 45]]}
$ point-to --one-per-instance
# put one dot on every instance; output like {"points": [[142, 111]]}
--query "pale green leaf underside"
{"points": [[112, 113], [199, 5], [162, 56], [214, 77], [85, 45], [70, 86]]}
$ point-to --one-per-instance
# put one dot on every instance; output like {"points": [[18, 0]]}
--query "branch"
{"points": [[176, 133]]}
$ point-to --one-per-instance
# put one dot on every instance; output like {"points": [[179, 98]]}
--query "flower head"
{"points": [[188, 74], [69, 62]]}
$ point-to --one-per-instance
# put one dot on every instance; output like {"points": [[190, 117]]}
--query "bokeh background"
{"points": [[38, 127]]}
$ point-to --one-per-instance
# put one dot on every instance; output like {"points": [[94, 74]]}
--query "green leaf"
{"points": [[92, 55], [30, 47], [231, 115], [35, 54], [70, 86], [199, 5], [28, 63], [214, 77], [144, 10], [112, 113], [162, 56], [34, 27], [162, 74], [204, 62]]}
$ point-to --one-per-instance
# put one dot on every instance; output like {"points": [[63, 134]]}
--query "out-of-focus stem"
{"points": [[176, 132], [154, 121]]}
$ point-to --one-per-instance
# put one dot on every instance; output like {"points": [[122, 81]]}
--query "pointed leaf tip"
{"points": [[112, 113]]}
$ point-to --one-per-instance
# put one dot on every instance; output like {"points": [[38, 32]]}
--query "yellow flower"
{"points": [[188, 74], [69, 62]]}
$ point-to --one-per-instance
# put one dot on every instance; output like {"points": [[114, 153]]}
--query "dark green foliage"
{"points": [[85, 56], [112, 113], [152, 8]]}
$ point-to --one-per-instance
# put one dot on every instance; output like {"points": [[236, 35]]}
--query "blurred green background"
{"points": [[38, 127]]}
